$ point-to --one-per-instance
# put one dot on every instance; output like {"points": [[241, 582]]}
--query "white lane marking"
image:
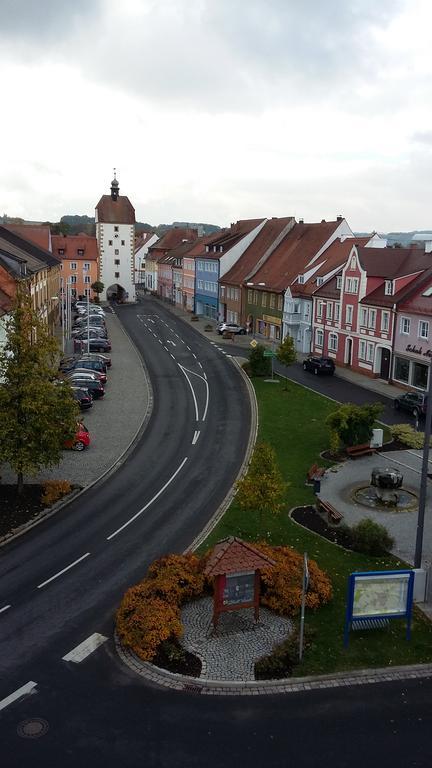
{"points": [[205, 377], [182, 341], [196, 436], [183, 370], [5, 607], [56, 575], [200, 364], [166, 348], [420, 458], [171, 342], [194, 355], [156, 496], [84, 649], [172, 355], [160, 341], [25, 689], [207, 398], [188, 347]]}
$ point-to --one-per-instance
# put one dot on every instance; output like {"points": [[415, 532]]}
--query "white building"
{"points": [[115, 234], [143, 243]]}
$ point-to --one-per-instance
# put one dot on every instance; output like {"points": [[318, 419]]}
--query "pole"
{"points": [[303, 603], [62, 298], [424, 476], [88, 323]]}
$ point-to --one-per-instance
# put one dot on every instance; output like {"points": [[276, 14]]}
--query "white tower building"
{"points": [[115, 233]]}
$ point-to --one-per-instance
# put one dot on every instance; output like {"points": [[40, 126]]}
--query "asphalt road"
{"points": [[98, 712]]}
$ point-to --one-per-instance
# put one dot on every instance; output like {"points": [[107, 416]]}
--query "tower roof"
{"points": [[119, 211]]}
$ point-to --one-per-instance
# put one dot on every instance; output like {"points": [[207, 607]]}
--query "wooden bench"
{"points": [[359, 450], [333, 516], [315, 473]]}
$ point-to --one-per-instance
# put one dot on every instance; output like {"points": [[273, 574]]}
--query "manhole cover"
{"points": [[32, 728]]}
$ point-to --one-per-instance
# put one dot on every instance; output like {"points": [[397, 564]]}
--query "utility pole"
{"points": [[424, 477]]}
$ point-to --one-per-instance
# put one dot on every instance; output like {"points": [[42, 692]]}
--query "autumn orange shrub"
{"points": [[53, 490], [281, 589], [150, 611]]}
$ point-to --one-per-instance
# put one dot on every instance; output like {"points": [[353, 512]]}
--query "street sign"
{"points": [[253, 344], [269, 353]]}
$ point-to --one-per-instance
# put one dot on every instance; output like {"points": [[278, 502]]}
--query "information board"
{"points": [[379, 595]]}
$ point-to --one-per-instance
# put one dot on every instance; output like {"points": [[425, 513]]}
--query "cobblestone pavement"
{"points": [[230, 651], [113, 421]]}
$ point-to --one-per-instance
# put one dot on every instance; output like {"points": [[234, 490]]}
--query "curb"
{"points": [[7, 538]]}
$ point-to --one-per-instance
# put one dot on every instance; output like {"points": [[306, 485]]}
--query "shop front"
{"points": [[269, 326]]}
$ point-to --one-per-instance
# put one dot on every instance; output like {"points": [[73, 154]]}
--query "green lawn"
{"points": [[293, 421]]}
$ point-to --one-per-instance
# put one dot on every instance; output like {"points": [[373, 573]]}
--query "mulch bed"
{"points": [[314, 521], [187, 665], [16, 510]]}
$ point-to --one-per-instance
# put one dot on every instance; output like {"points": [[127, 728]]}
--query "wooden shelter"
{"points": [[235, 567]]}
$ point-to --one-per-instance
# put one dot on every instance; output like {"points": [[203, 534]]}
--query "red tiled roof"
{"points": [[265, 239], [393, 262], [72, 243], [291, 257], [171, 239], [333, 257], [36, 233], [232, 554], [119, 211]]}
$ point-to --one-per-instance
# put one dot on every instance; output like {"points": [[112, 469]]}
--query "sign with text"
{"points": [[379, 595]]}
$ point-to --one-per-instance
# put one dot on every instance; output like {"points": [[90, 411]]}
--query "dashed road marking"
{"points": [[56, 575], [5, 607], [18, 694], [196, 436], [172, 355], [84, 649]]}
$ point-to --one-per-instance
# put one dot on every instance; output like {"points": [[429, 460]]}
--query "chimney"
{"points": [[301, 221], [323, 221], [339, 217]]}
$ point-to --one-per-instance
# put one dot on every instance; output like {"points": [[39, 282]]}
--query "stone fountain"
{"points": [[385, 491]]}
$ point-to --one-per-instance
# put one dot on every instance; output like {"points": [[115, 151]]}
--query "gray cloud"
{"points": [[37, 21], [422, 137]]}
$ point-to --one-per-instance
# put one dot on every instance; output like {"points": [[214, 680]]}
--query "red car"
{"points": [[80, 440]]}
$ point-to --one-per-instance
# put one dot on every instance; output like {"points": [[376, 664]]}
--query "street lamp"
{"points": [[424, 477]]}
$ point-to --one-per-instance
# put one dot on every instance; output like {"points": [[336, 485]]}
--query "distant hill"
{"points": [[399, 238], [76, 224]]}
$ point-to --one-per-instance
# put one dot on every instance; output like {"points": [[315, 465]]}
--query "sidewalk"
{"points": [[374, 385]]}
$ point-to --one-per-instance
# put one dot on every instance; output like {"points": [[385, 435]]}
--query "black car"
{"points": [[412, 402], [100, 345], [319, 365], [95, 388], [83, 397]]}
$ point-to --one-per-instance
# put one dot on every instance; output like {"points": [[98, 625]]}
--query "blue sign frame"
{"points": [[405, 612]]}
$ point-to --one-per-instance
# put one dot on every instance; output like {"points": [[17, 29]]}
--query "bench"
{"points": [[333, 516], [359, 450], [315, 473]]}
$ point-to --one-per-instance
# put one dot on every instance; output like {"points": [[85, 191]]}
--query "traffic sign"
{"points": [[253, 344], [269, 353]]}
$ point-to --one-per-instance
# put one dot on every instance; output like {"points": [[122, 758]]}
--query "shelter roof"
{"points": [[232, 555]]}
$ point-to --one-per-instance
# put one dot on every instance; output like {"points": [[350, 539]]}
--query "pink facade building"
{"points": [[413, 335]]}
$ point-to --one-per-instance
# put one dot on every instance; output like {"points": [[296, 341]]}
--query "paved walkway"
{"points": [[230, 651]]}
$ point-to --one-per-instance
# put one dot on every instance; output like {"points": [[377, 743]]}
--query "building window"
{"points": [[300, 279], [339, 282], [122, 242], [200, 284], [319, 281], [80, 251], [73, 279], [280, 303], [223, 291], [255, 297], [61, 251], [353, 262], [333, 342], [109, 242], [86, 266], [250, 293], [362, 350], [388, 288], [348, 314], [320, 306], [116, 228], [73, 265], [319, 337], [385, 321], [351, 285], [87, 292], [337, 312], [401, 369], [423, 329], [116, 251], [370, 353], [116, 274], [329, 313], [405, 325], [363, 317], [117, 262], [272, 301], [86, 278], [419, 375], [372, 318], [264, 300]]}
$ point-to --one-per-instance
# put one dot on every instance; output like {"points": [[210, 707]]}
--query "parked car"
{"points": [[93, 332], [91, 375], [95, 320], [80, 440], [231, 327], [100, 345], [412, 402], [95, 387], [83, 397], [319, 365], [97, 356], [91, 366]]}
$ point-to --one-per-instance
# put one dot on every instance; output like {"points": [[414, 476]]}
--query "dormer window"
{"points": [[300, 279], [389, 287], [80, 251], [319, 280], [339, 282], [61, 251], [207, 248]]}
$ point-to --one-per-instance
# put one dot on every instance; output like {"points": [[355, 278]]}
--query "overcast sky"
{"points": [[215, 110]]}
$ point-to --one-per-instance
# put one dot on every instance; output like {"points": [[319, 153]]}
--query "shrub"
{"points": [[371, 538], [259, 365], [354, 423], [284, 657], [53, 490], [407, 435], [282, 583]]}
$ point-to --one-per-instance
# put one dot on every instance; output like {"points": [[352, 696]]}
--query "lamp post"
{"points": [[424, 476]]}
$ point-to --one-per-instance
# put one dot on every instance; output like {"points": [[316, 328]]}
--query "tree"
{"points": [[353, 423], [38, 413], [97, 287], [258, 364], [286, 354], [263, 489]]}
